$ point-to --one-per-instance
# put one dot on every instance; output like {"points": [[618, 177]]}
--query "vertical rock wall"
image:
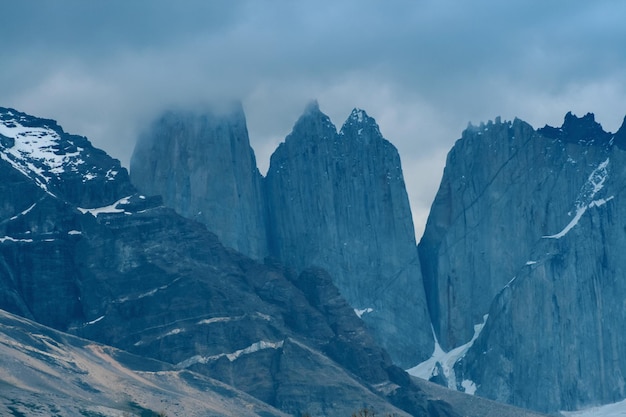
{"points": [[204, 168], [527, 227], [338, 201], [331, 200]]}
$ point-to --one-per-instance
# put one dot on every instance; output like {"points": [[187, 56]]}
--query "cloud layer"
{"points": [[423, 69]]}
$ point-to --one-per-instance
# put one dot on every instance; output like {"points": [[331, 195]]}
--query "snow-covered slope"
{"points": [[609, 410], [58, 162]]}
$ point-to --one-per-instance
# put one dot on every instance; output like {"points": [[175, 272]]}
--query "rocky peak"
{"points": [[313, 124], [581, 130], [60, 163], [360, 125], [203, 166], [341, 204], [524, 232]]}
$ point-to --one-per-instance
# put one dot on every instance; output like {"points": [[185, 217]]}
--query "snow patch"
{"points": [[608, 410], [531, 262], [108, 209], [12, 239], [255, 347], [447, 360], [172, 333], [110, 175], [360, 312], [469, 386], [579, 213], [146, 294], [218, 320], [36, 151], [226, 319], [94, 321], [24, 212], [600, 202], [358, 115], [511, 281], [585, 200]]}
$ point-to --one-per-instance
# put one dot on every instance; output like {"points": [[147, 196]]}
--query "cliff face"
{"points": [[527, 227], [128, 272], [203, 167], [338, 201], [330, 200]]}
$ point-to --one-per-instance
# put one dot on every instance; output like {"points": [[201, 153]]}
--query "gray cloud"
{"points": [[423, 69]]}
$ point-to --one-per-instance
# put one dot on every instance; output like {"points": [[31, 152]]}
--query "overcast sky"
{"points": [[422, 69]]}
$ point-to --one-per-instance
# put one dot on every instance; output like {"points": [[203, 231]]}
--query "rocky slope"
{"points": [[202, 165], [527, 228], [119, 268], [101, 381]]}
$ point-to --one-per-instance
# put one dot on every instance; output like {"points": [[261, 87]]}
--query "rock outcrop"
{"points": [[527, 227], [338, 201], [203, 167]]}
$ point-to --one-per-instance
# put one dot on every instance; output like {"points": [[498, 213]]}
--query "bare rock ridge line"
{"points": [[527, 229], [335, 200]]}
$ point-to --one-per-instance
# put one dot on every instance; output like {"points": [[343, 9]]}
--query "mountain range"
{"points": [[83, 252], [304, 291], [334, 200]]}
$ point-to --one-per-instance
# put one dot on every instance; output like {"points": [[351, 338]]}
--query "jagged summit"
{"points": [[37, 148], [338, 201], [360, 125], [525, 235], [582, 130], [57, 161]]}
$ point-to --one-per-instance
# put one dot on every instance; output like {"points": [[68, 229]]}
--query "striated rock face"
{"points": [[478, 217], [135, 275], [338, 201], [330, 200], [203, 167], [527, 227]]}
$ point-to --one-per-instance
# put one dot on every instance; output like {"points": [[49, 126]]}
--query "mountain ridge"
{"points": [[525, 225]]}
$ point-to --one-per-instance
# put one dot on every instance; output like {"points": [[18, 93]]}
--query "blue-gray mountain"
{"points": [[338, 201], [331, 200], [528, 227], [83, 252], [203, 167]]}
